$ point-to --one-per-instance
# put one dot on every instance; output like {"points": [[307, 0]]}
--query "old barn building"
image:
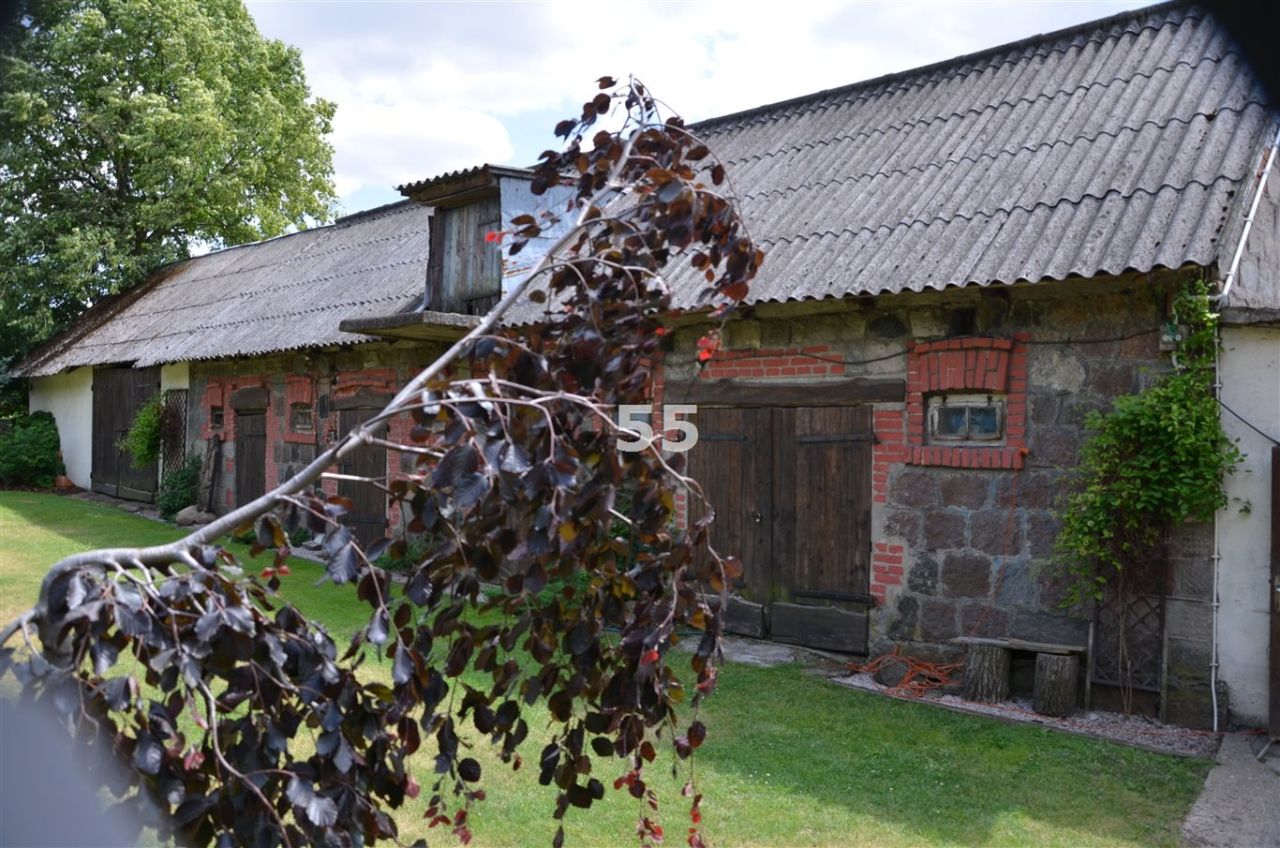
{"points": [[964, 260]]}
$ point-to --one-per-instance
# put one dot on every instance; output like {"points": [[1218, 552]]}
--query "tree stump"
{"points": [[986, 674], [1055, 688]]}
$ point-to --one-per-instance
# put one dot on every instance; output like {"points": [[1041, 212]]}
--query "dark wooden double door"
{"points": [[118, 394], [368, 516], [791, 487]]}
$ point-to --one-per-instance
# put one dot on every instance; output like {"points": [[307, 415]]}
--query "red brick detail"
{"points": [[812, 361], [890, 448], [887, 568], [299, 389], [377, 379], [215, 394], [969, 364]]}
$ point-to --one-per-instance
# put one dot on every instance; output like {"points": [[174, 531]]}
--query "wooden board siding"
{"points": [[368, 517], [251, 456], [118, 394], [465, 271], [740, 489], [830, 452], [791, 487]]}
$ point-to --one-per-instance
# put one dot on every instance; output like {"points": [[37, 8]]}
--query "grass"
{"points": [[790, 759]]}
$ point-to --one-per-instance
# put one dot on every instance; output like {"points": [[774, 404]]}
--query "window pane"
{"points": [[983, 422], [951, 420]]}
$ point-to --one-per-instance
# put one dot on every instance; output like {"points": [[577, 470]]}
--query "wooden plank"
{"points": [[737, 393], [251, 456], [829, 628], [209, 473], [744, 618], [368, 516], [735, 476], [1021, 645], [140, 386], [832, 549], [785, 509]]}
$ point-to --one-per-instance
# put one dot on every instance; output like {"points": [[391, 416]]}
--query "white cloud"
{"points": [[425, 88]]}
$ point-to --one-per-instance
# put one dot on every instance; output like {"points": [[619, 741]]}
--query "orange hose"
{"points": [[920, 676]]}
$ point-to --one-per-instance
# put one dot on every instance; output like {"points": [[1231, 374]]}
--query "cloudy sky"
{"points": [[428, 87]]}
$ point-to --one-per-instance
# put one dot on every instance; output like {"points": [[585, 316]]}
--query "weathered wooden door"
{"points": [[118, 394], [739, 485], [822, 533], [251, 456], [791, 488], [368, 517]]}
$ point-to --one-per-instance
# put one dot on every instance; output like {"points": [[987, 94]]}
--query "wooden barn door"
{"points": [[726, 461], [118, 394], [791, 487], [822, 535], [251, 455], [368, 517]]}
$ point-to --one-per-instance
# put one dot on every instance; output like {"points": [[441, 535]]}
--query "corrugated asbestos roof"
{"points": [[1122, 145], [1127, 144], [286, 293]]}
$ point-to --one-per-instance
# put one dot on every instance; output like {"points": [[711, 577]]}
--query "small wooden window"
{"points": [[302, 418], [966, 418], [215, 418]]}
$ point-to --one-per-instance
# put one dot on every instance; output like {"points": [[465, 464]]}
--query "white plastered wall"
{"points": [[70, 398], [1250, 371], [175, 376]]}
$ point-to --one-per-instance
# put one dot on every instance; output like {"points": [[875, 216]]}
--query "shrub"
{"points": [[29, 451], [179, 488], [416, 549], [143, 440]]}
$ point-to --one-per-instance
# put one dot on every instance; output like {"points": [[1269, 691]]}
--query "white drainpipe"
{"points": [[1227, 282]]}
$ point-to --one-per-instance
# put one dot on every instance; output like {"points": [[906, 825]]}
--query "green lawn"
{"points": [[790, 758]]}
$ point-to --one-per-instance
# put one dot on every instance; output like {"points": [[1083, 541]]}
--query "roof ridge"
{"points": [[758, 113], [925, 122]]}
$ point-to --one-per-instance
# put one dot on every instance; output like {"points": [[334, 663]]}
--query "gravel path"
{"points": [[1129, 730]]}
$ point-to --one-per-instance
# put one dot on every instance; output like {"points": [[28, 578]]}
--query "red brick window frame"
{"points": [[299, 390], [968, 365]]}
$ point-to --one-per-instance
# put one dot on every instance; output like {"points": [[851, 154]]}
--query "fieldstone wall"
{"points": [[960, 551]]}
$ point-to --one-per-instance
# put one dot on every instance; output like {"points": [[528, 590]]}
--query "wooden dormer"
{"points": [[465, 272]]}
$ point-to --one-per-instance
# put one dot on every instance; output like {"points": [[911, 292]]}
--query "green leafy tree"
{"points": [[132, 131], [238, 721]]}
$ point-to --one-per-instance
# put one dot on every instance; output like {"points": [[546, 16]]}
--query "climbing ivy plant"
{"points": [[1158, 458], [146, 434]]}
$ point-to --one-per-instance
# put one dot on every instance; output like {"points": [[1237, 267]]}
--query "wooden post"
{"points": [[986, 673], [206, 497], [1055, 687]]}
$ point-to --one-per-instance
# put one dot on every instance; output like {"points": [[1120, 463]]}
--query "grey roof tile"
{"points": [[1117, 146], [282, 294]]}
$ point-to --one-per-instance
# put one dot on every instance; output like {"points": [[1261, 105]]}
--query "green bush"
{"points": [[416, 550], [179, 488], [143, 440], [29, 451]]}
